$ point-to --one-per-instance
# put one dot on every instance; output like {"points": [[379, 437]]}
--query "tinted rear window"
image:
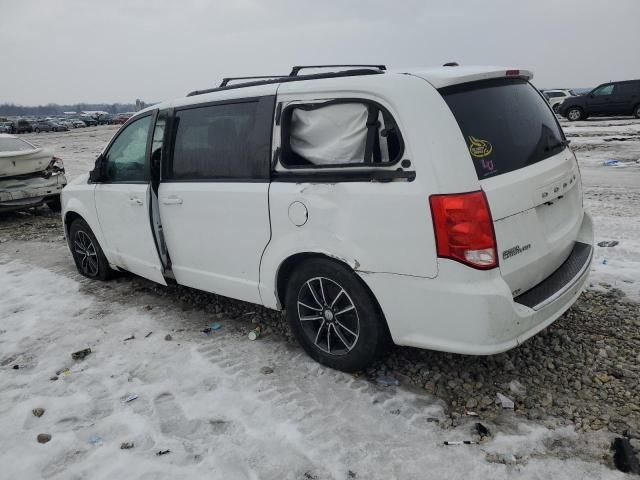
{"points": [[506, 123], [14, 145], [225, 141]]}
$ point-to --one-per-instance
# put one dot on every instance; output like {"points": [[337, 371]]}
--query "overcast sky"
{"points": [[70, 51]]}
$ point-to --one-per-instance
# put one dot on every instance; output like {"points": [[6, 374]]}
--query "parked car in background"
{"points": [[6, 127], [59, 127], [43, 126], [66, 123], [105, 119], [89, 121], [29, 176], [121, 118], [608, 99], [287, 194], [22, 126], [78, 123], [556, 97]]}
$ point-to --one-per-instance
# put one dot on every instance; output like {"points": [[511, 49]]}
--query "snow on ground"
{"points": [[612, 196], [207, 399]]}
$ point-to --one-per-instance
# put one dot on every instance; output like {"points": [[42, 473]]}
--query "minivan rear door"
{"points": [[529, 175]]}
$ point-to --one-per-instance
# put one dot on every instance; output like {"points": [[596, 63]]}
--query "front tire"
{"points": [[333, 316], [37, 130], [87, 254], [636, 111], [574, 114]]}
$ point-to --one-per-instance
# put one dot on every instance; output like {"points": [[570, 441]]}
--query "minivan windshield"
{"points": [[506, 123]]}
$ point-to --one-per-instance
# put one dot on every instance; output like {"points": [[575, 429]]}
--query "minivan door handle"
{"points": [[173, 200]]}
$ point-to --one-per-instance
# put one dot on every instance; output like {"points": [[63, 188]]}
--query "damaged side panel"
{"points": [[353, 222]]}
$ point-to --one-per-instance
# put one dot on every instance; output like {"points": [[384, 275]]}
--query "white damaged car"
{"points": [[30, 176], [439, 209]]}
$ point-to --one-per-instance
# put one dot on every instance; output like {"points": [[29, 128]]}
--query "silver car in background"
{"points": [[29, 176]]}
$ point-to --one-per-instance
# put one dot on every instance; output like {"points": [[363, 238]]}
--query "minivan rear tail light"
{"points": [[464, 229]]}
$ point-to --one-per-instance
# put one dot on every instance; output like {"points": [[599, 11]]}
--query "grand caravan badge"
{"points": [[480, 148]]}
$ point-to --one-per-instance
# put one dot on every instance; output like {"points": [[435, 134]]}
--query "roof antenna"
{"points": [[451, 64]]}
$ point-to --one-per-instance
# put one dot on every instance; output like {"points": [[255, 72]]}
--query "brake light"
{"points": [[513, 73], [464, 229]]}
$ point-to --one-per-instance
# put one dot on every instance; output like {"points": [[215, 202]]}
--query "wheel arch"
{"points": [[69, 217], [289, 264], [73, 210]]}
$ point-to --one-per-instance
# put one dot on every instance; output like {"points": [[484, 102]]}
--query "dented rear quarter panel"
{"points": [[374, 227]]}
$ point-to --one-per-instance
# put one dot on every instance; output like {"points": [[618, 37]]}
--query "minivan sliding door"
{"points": [[213, 195]]}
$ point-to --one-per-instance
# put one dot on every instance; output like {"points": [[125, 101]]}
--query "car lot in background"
{"points": [[29, 176], [89, 121], [556, 97], [608, 99]]}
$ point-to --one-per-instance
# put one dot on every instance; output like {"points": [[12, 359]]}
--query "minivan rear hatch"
{"points": [[528, 173]]}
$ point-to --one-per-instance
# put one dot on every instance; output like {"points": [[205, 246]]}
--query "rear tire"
{"points": [[574, 114], [333, 315], [636, 111], [87, 254], [555, 108], [37, 130]]}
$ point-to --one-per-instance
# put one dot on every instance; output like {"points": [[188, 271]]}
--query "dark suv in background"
{"points": [[608, 99]]}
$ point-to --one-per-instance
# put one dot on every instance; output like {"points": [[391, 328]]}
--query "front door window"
{"points": [[604, 90], [125, 159]]}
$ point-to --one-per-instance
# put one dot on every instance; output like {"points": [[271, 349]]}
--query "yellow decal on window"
{"points": [[480, 148]]}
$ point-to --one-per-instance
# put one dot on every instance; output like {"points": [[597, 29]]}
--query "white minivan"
{"points": [[440, 209]]}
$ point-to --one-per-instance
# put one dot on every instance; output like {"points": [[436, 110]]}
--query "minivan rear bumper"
{"points": [[473, 312]]}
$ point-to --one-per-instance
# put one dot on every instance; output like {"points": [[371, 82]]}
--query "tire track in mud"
{"points": [[327, 440]]}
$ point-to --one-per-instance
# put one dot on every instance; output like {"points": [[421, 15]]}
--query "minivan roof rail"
{"points": [[296, 78], [295, 70], [226, 80]]}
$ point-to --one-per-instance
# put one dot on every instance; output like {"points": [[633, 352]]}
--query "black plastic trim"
{"points": [[344, 176], [295, 70], [318, 76], [226, 80], [558, 280]]}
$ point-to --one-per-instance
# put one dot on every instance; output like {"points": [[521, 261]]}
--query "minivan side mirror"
{"points": [[97, 174]]}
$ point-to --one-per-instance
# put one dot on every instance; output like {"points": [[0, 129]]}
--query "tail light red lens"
{"points": [[464, 229]]}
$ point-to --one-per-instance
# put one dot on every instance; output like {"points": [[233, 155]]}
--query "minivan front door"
{"points": [[214, 195], [122, 199]]}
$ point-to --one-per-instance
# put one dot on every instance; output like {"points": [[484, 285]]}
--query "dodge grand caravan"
{"points": [[439, 209]]}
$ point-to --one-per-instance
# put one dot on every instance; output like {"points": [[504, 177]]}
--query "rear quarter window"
{"points": [[507, 125]]}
